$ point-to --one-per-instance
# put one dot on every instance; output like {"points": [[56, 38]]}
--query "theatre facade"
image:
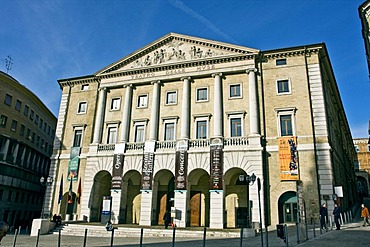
{"points": [[211, 131]]}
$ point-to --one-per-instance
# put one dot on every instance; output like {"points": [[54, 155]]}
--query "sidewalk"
{"points": [[352, 233]]}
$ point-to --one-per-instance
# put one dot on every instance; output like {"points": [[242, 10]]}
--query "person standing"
{"points": [[365, 214], [336, 213], [4, 228], [323, 216], [167, 219]]}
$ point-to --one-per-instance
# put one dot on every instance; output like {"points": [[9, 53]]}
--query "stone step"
{"points": [[100, 231]]}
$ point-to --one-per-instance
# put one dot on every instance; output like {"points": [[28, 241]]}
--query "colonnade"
{"points": [[180, 197]]}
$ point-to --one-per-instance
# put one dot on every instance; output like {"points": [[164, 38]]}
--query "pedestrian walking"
{"points": [[365, 214], [336, 213], [323, 216], [4, 228], [167, 219]]}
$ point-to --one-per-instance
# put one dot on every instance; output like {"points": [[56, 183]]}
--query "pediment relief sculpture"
{"points": [[175, 51]]}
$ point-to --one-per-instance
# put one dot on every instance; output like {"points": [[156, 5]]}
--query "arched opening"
{"points": [[238, 211], [288, 207], [164, 181], [101, 187], [131, 198], [199, 198]]}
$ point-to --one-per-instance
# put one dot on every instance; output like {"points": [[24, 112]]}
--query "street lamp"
{"points": [[247, 179], [45, 182]]}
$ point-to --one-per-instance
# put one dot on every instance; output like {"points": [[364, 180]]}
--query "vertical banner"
{"points": [[181, 165], [288, 158], [73, 164], [147, 171], [216, 167], [117, 171]]}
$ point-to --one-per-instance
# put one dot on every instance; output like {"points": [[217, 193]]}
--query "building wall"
{"points": [[25, 150], [323, 162]]}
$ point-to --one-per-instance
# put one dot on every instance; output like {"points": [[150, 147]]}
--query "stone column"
{"points": [[154, 119], [185, 111], [99, 118], [216, 210], [116, 205], [181, 207], [253, 105], [146, 208], [5, 149], [218, 106], [126, 115]]}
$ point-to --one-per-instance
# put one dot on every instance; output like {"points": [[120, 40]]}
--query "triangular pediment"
{"points": [[176, 48]]}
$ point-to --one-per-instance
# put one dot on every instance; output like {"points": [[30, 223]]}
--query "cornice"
{"points": [[78, 81], [292, 52], [184, 64]]}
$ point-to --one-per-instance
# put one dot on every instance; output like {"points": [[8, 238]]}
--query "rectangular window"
{"points": [[139, 133], [21, 131], [45, 125], [235, 91], [25, 111], [142, 101], [201, 129], [1, 194], [32, 115], [286, 127], [18, 105], [202, 94], [171, 98], [112, 135], [116, 103], [33, 137], [38, 141], [236, 127], [28, 134], [82, 107], [368, 148], [3, 120], [85, 87], [37, 119], [10, 195], [283, 86], [14, 125], [41, 123], [77, 138], [8, 100], [169, 131], [280, 61]]}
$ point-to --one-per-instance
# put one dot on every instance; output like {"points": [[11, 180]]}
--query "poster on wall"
{"points": [[216, 172], [181, 169], [147, 171], [288, 158], [117, 171], [74, 164]]}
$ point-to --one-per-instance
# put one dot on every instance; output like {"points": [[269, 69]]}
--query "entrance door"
{"points": [[195, 206], [290, 212]]}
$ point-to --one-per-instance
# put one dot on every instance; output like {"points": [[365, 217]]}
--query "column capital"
{"points": [[251, 70], [103, 89], [185, 78], [154, 82], [128, 85], [217, 74]]}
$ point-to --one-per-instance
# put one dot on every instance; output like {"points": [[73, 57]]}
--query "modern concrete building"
{"points": [[27, 131], [213, 131]]}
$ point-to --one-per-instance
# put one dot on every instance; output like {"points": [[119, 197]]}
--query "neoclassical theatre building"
{"points": [[191, 125]]}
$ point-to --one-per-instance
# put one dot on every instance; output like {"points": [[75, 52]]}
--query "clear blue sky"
{"points": [[55, 39]]}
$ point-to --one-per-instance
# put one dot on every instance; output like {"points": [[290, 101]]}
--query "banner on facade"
{"points": [[216, 167], [147, 171], [288, 158], [181, 166], [73, 164], [117, 171], [106, 205]]}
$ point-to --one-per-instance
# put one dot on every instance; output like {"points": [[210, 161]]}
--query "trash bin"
{"points": [[280, 231]]}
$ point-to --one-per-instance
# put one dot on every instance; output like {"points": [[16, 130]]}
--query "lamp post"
{"points": [[248, 179], [45, 182]]}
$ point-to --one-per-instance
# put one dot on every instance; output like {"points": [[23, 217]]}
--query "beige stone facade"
{"points": [[190, 118]]}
